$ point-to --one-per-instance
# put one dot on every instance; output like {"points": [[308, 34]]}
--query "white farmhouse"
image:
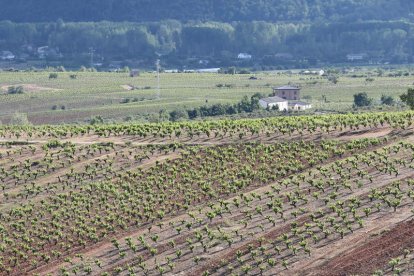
{"points": [[244, 56], [270, 102], [356, 57], [7, 55], [299, 105]]}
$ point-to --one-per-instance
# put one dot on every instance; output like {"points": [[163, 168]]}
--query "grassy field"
{"points": [[102, 94]]}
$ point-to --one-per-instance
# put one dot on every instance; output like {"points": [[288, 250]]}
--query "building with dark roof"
{"points": [[290, 93]]}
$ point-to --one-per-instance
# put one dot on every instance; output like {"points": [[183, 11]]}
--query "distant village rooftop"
{"points": [[274, 99], [287, 87]]}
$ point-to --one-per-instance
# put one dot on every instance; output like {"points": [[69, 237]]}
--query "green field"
{"points": [[102, 94]]}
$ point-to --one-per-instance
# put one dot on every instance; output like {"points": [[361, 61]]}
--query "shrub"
{"points": [[52, 144], [15, 90], [53, 76], [96, 120], [177, 115], [361, 100], [334, 79], [387, 100], [244, 71], [19, 119], [408, 98]]}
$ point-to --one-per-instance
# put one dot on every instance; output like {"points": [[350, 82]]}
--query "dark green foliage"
{"points": [[229, 10], [303, 41], [387, 100], [53, 76], [408, 98], [362, 99], [177, 115], [308, 30], [96, 120], [15, 90], [245, 105]]}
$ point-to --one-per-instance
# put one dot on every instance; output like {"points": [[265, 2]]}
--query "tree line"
{"points": [[205, 10], [250, 105], [269, 43], [246, 105]]}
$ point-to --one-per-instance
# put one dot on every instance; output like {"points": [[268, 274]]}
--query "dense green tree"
{"points": [[387, 100], [226, 11], [362, 99], [408, 98], [304, 30]]}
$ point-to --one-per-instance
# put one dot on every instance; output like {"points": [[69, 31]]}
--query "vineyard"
{"points": [[118, 97], [308, 195]]}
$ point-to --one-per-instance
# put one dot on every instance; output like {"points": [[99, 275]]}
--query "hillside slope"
{"points": [[216, 10]]}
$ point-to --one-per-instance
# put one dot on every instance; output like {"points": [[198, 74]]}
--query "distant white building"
{"points": [[356, 57], [46, 51], [208, 70], [171, 71], [203, 62], [42, 51], [270, 102], [285, 98], [7, 55], [299, 105], [244, 56], [314, 72]]}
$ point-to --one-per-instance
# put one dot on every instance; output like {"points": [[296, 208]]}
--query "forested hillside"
{"points": [[299, 33], [212, 10]]}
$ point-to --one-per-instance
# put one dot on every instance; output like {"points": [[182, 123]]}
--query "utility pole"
{"points": [[91, 52], [158, 78]]}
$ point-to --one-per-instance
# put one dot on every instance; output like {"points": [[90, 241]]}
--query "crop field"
{"points": [[308, 195], [110, 95]]}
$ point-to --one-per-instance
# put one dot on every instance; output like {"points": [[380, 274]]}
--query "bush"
{"points": [[361, 100], [334, 79], [15, 90], [96, 120], [19, 119], [177, 115], [408, 98], [244, 71], [53, 76], [52, 144], [387, 100]]}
